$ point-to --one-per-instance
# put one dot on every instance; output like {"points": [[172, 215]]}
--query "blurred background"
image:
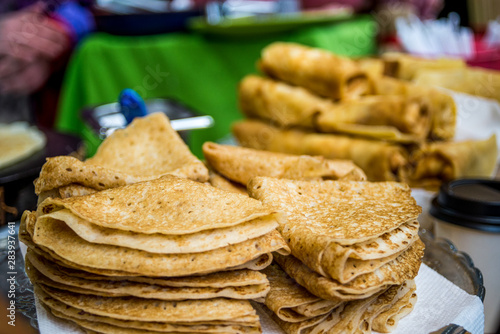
{"points": [[58, 58]]}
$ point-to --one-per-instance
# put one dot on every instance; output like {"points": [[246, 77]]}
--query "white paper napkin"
{"points": [[477, 117]]}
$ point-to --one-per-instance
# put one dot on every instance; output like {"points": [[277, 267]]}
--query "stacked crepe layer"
{"points": [[316, 103], [147, 149], [302, 312], [232, 167], [352, 243], [167, 255]]}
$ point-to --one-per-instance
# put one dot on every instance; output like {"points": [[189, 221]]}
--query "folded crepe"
{"points": [[218, 181], [48, 273], [317, 70], [474, 81], [440, 105], [241, 164], [342, 229], [291, 302], [147, 149], [158, 228], [257, 263], [406, 67], [380, 161], [404, 267], [444, 161], [234, 278], [124, 314], [387, 320], [384, 117], [379, 310]]}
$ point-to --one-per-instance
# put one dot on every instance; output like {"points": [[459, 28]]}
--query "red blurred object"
{"points": [[486, 57]]}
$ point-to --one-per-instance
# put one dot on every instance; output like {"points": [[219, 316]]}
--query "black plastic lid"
{"points": [[473, 203]]}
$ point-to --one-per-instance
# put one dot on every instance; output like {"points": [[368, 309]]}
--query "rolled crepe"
{"points": [[374, 67], [317, 70], [282, 103], [438, 104], [406, 67], [445, 161], [380, 161], [474, 81], [383, 117]]}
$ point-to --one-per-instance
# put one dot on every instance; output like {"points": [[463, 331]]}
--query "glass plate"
{"points": [[440, 255]]}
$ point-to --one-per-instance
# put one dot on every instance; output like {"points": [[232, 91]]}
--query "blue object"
{"points": [[77, 18], [131, 105]]}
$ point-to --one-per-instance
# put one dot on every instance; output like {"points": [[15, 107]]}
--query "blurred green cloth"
{"points": [[200, 71]]}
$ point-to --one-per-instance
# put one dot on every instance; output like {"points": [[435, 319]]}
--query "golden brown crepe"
{"points": [[318, 70], [218, 181], [387, 320], [174, 206], [380, 161], [374, 67], [59, 309], [110, 325], [147, 149], [405, 267], [474, 81], [282, 103], [64, 311], [234, 278], [438, 104], [348, 317], [139, 309], [444, 161], [290, 301], [48, 274], [406, 67], [61, 242], [241, 164], [157, 228], [321, 323], [384, 117], [342, 229], [395, 118], [165, 243]]}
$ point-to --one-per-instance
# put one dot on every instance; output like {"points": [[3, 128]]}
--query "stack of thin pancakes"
{"points": [[167, 255], [232, 167], [146, 149], [355, 249]]}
